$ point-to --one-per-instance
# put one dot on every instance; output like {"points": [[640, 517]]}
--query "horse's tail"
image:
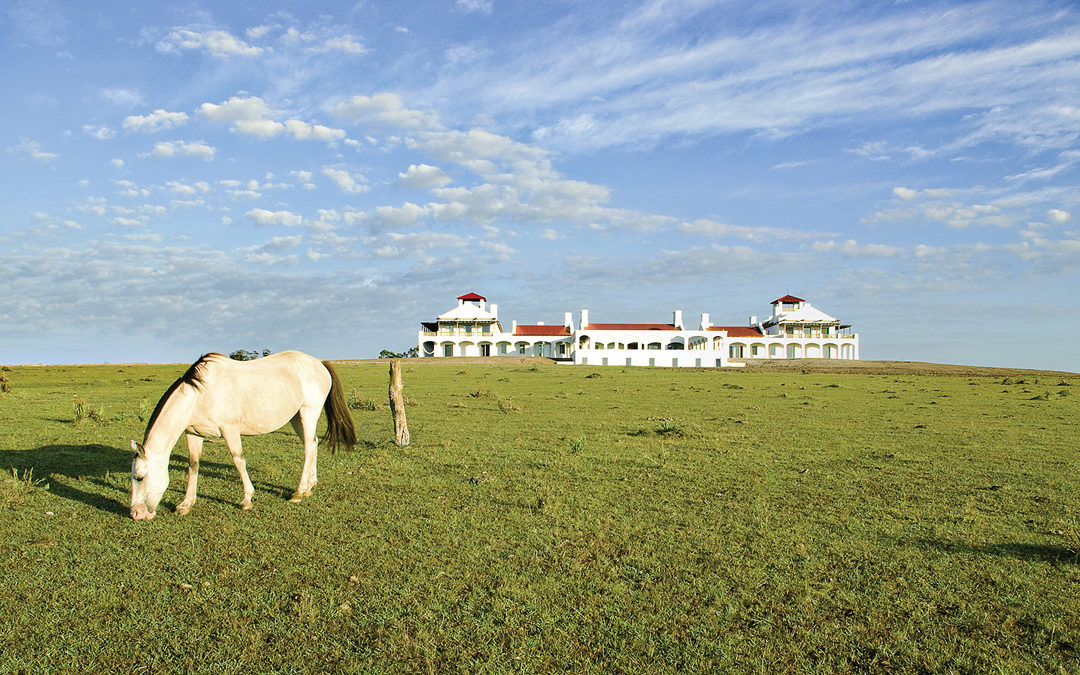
{"points": [[339, 424]]}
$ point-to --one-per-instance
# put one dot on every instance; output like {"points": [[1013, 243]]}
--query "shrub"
{"points": [[14, 489], [87, 411], [355, 402], [669, 427], [5, 384]]}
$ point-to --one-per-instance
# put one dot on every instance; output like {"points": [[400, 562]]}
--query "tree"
{"points": [[407, 354], [244, 355]]}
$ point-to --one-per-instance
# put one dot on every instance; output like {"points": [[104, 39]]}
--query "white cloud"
{"points": [[258, 128], [925, 251], [346, 44], [32, 150], [254, 117], [303, 131], [266, 258], [637, 80], [275, 245], [347, 182], [198, 149], [158, 120], [264, 217], [385, 108], [256, 32], [470, 6], [185, 190], [397, 217], [122, 97], [423, 176], [93, 205], [907, 194], [237, 108], [712, 228], [102, 133], [852, 249], [1058, 217], [874, 150], [218, 43]]}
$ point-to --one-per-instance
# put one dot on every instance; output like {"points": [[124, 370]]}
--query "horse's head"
{"points": [[149, 478]]}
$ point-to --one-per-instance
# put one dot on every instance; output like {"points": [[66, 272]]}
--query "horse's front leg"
{"points": [[194, 450], [232, 440], [304, 426]]}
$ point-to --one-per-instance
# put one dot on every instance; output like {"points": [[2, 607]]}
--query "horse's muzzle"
{"points": [[140, 513]]}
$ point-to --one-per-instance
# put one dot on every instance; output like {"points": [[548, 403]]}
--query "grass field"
{"points": [[556, 518]]}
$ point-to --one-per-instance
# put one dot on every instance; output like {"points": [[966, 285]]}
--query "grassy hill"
{"points": [[551, 517]]}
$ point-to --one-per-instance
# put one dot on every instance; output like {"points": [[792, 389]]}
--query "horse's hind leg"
{"points": [[304, 424], [194, 450], [232, 439]]}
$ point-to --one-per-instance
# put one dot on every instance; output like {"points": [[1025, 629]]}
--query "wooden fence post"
{"points": [[397, 404]]}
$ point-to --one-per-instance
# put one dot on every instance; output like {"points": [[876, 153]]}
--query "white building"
{"points": [[794, 331]]}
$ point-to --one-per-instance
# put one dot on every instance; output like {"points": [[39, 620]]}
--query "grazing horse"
{"points": [[221, 398]]}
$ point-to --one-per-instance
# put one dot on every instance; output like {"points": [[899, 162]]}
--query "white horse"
{"points": [[219, 397]]}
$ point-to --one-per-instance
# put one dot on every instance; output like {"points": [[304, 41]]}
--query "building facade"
{"points": [[795, 330]]}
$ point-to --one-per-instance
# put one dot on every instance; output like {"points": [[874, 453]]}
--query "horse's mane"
{"points": [[192, 376]]}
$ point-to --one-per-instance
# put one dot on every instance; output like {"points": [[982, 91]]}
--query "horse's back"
{"points": [[263, 394]]}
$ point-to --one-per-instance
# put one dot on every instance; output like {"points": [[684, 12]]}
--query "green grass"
{"points": [[546, 519]]}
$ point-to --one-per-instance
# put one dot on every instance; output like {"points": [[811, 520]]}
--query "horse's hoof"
{"points": [[296, 498], [183, 509], [246, 506]]}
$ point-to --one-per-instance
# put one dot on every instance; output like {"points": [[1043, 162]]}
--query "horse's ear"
{"points": [[137, 448]]}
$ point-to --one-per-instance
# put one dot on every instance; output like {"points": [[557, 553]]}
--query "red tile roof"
{"points": [[539, 329], [739, 331], [787, 298], [471, 296], [630, 326]]}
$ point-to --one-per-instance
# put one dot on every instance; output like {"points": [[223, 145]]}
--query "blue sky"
{"points": [[181, 177]]}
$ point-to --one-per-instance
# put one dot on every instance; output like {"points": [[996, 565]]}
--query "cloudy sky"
{"points": [[185, 177]]}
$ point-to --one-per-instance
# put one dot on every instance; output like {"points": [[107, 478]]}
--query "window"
{"points": [[485, 350], [807, 331], [468, 329], [652, 362], [604, 361], [448, 350]]}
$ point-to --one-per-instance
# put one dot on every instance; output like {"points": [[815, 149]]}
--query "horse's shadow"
{"points": [[1034, 552], [69, 468]]}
